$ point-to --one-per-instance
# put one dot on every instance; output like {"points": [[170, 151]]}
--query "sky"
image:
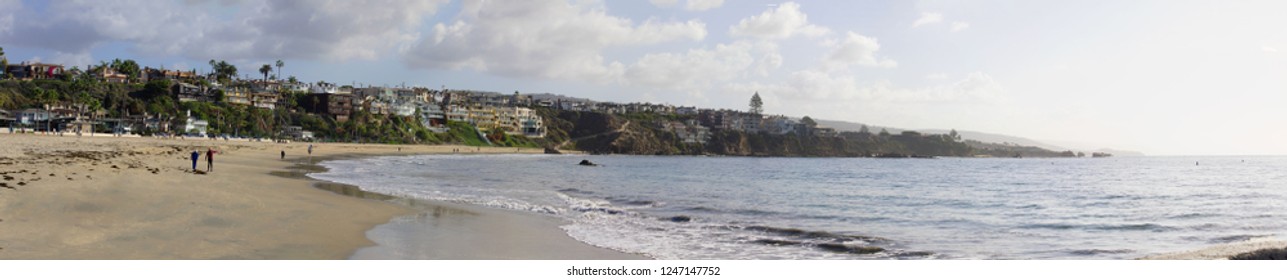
{"points": [[1160, 77]]}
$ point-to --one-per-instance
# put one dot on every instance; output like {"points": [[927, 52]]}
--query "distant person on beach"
{"points": [[194, 159], [283, 154], [209, 160], [310, 149]]}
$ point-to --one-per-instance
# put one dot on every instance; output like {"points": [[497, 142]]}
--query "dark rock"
{"points": [[552, 151], [775, 242], [914, 254], [1263, 254], [587, 162], [813, 234], [849, 249]]}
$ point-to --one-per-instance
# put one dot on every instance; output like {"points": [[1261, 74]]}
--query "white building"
{"points": [[195, 126], [32, 116]]}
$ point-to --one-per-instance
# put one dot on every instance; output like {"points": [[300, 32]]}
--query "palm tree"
{"points": [[265, 70], [223, 70], [229, 70], [4, 62], [214, 68], [279, 65]]}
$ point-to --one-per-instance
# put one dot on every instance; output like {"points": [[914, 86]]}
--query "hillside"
{"points": [[643, 134], [982, 137]]}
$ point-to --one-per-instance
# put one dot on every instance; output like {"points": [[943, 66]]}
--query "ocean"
{"points": [[860, 208]]}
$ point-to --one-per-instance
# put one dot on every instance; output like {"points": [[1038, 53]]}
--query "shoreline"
{"points": [[102, 197], [134, 198], [441, 230], [1222, 251], [137, 198]]}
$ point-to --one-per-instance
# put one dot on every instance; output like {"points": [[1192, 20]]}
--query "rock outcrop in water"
{"points": [[1263, 254]]}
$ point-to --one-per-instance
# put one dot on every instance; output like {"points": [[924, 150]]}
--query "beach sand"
{"points": [[68, 197]]}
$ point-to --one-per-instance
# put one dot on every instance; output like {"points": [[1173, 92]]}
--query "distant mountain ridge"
{"points": [[971, 135]]}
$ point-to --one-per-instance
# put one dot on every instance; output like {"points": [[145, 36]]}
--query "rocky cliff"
{"points": [[642, 134]]}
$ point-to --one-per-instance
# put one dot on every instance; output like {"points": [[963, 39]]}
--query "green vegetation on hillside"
{"points": [[643, 133]]}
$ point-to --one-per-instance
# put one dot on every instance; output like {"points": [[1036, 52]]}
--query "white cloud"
{"points": [[936, 76], [700, 68], [7, 14], [702, 5], [690, 5], [548, 39], [79, 59], [959, 25], [334, 30], [928, 18], [784, 22], [814, 86], [664, 3], [769, 61], [1268, 49], [857, 49]]}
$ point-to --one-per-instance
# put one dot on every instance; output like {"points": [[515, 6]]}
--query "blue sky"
{"points": [[1162, 77]]}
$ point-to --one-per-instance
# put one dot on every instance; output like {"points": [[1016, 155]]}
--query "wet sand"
{"points": [[100, 197]]}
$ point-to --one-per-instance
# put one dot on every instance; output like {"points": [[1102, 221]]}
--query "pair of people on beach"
{"points": [[209, 159], [310, 152]]}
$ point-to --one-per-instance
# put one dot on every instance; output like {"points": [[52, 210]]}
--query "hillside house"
{"points": [[34, 71], [336, 105]]}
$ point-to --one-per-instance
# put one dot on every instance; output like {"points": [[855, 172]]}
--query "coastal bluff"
{"points": [[650, 134]]}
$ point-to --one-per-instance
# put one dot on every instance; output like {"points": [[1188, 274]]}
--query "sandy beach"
{"points": [[68, 197]]}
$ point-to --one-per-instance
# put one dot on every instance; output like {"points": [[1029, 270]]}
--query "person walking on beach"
{"points": [[283, 154], [310, 149], [209, 160], [194, 159]]}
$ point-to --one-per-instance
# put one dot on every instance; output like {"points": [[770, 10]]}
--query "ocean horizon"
{"points": [[681, 207]]}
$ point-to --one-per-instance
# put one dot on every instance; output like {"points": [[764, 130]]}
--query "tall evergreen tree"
{"points": [[757, 105]]}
